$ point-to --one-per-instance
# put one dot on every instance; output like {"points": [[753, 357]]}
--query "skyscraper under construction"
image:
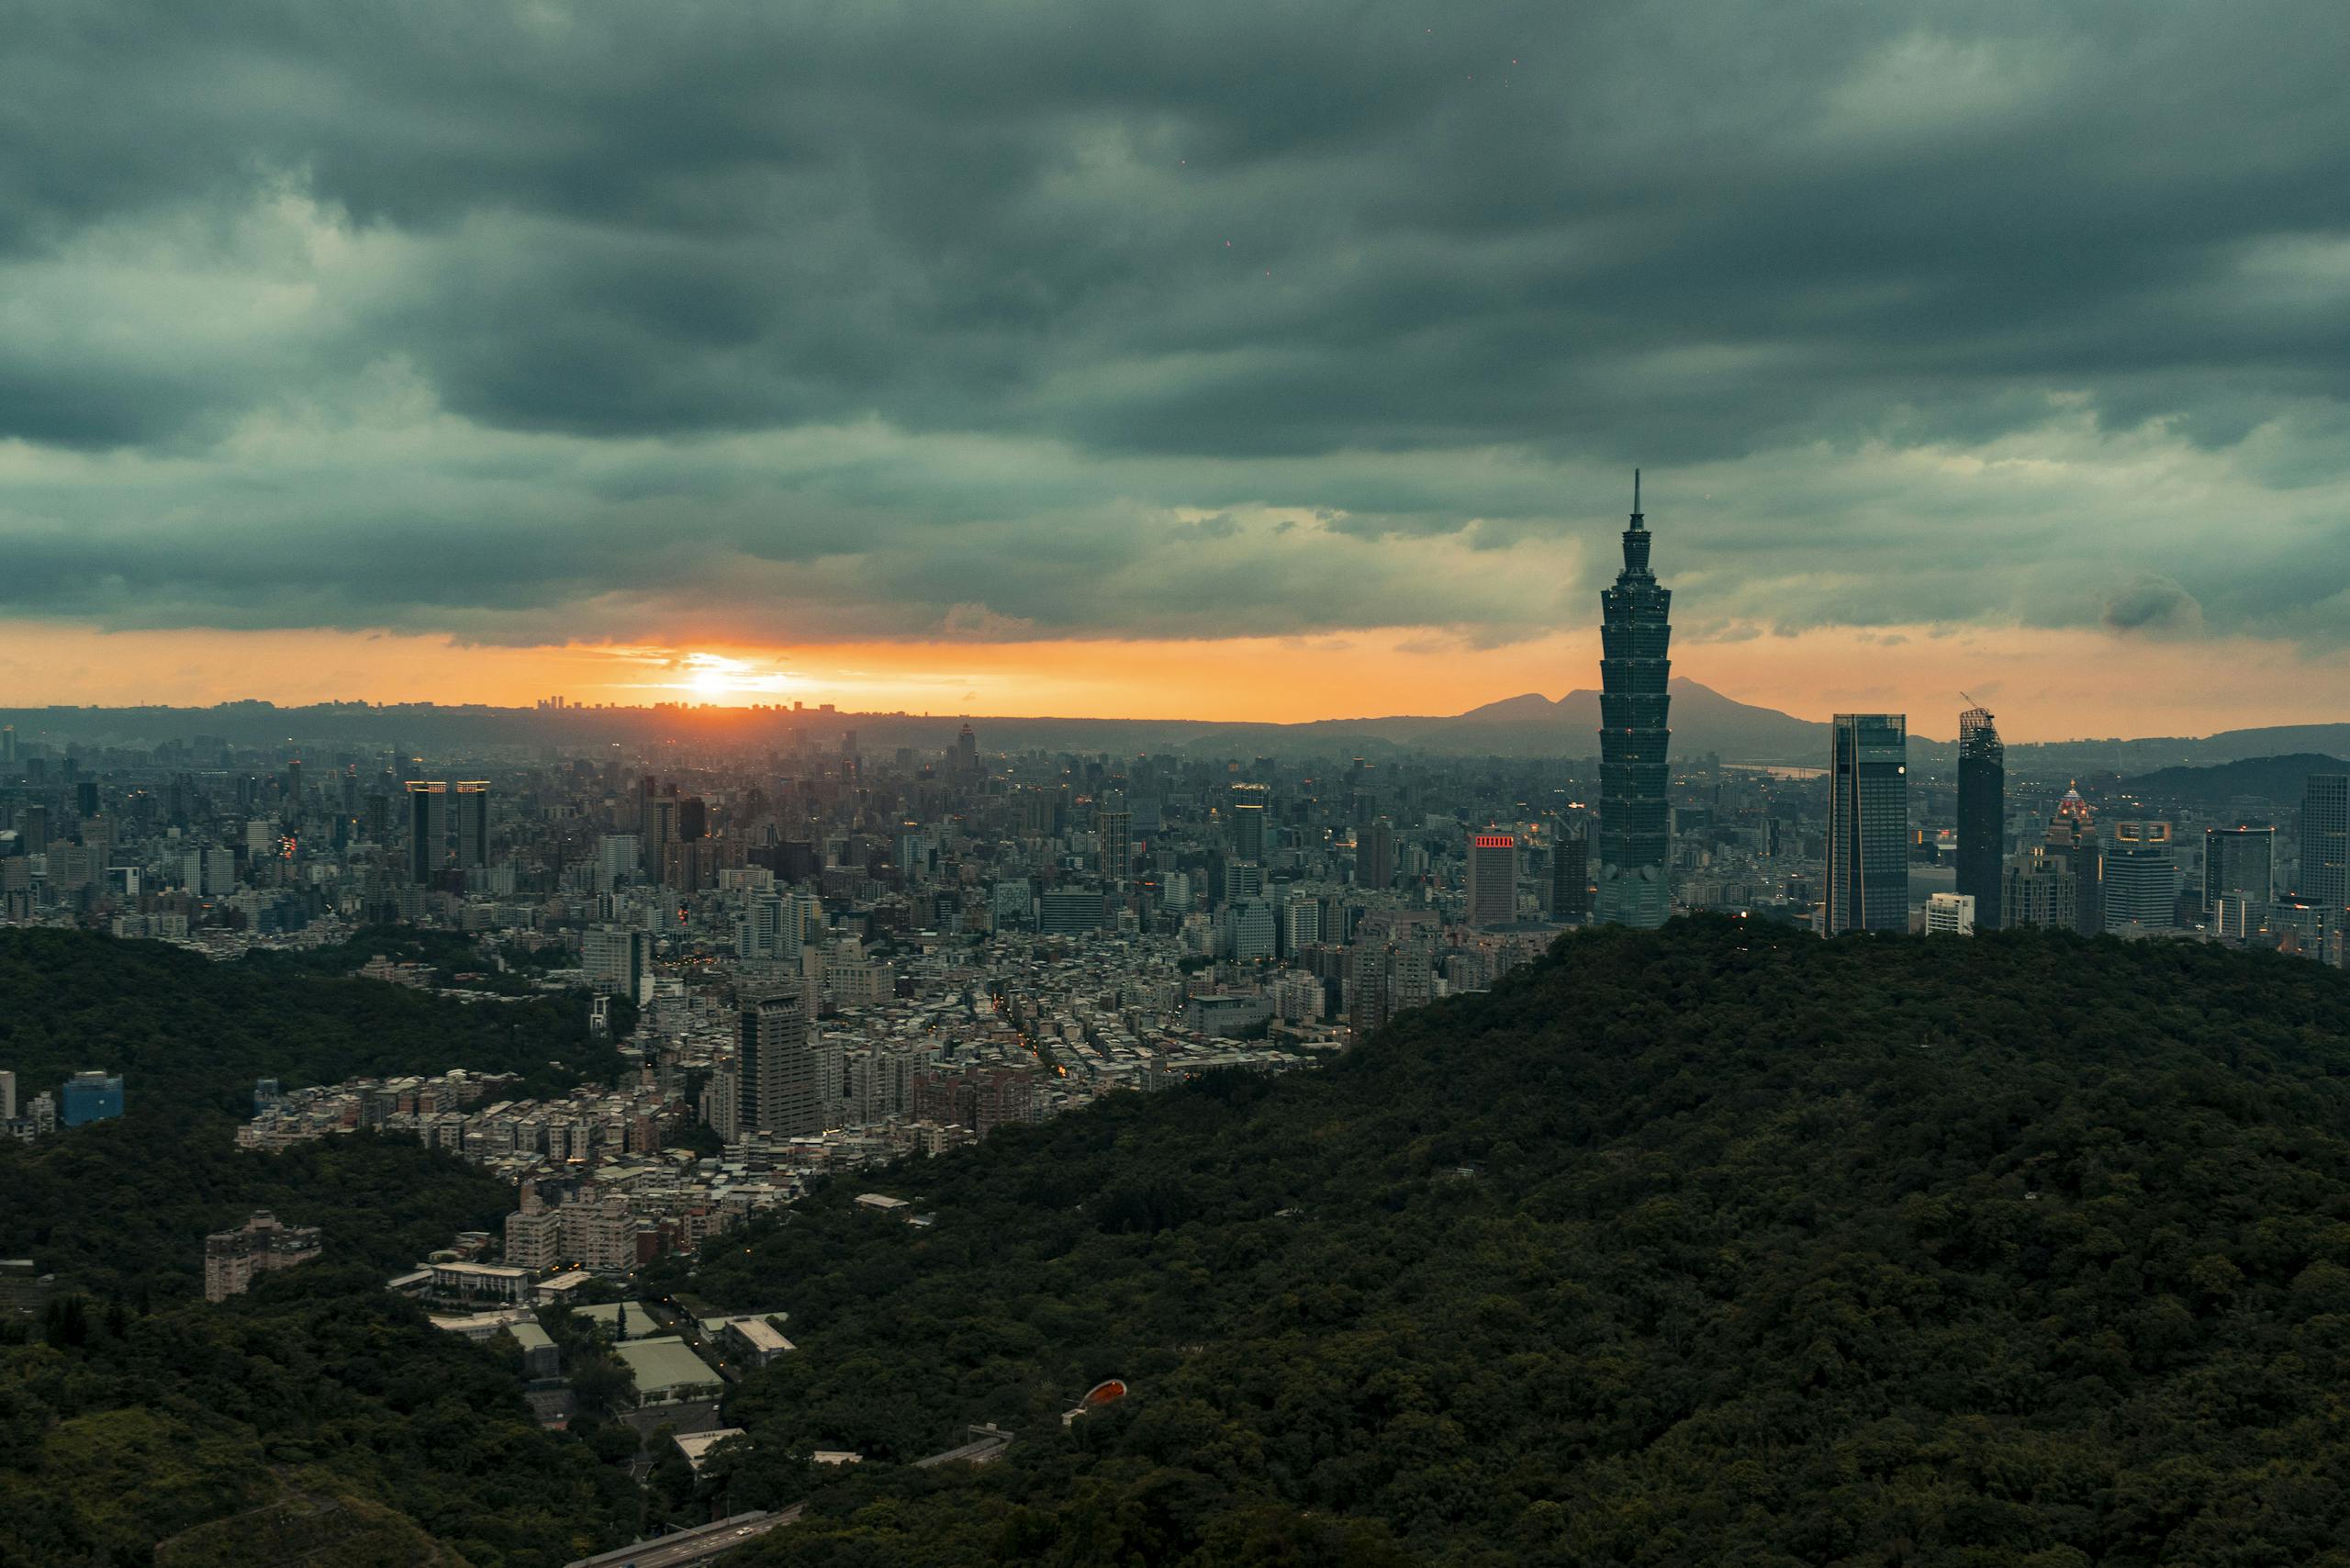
{"points": [[1982, 815]]}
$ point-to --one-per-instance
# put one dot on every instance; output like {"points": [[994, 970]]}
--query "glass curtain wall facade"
{"points": [[1868, 823]]}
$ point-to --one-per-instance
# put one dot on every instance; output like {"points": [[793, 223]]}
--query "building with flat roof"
{"points": [[668, 1372], [696, 1446], [759, 1341], [622, 1319], [481, 1281]]}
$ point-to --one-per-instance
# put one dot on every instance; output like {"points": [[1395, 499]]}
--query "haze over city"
{"points": [[1217, 360]]}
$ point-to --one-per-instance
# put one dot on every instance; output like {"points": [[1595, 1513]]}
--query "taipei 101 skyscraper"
{"points": [[1635, 828]]}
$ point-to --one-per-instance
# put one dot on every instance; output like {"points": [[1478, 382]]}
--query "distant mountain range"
{"points": [[1532, 724], [1529, 725], [2270, 778]]}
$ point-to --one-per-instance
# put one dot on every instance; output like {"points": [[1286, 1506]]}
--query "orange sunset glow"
{"points": [[2046, 685]]}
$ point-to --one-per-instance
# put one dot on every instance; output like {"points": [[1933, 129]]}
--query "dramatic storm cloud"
{"points": [[526, 322]]}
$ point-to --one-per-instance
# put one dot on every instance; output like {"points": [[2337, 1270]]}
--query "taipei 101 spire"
{"points": [[1635, 826]]}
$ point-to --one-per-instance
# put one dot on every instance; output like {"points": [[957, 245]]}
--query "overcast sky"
{"points": [[777, 326]]}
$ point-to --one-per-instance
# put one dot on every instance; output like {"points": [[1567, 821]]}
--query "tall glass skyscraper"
{"points": [[1868, 823], [1634, 824], [1982, 815], [2325, 842]]}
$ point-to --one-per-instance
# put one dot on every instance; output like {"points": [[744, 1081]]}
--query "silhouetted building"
{"points": [[1114, 826], [472, 811], [1375, 854], [2239, 862], [2325, 842], [428, 828], [1635, 667], [1868, 823], [2141, 877], [1570, 878], [1982, 815], [2073, 842], [1493, 878]]}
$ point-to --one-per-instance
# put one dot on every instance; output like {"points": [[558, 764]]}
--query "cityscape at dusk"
{"points": [[901, 785]]}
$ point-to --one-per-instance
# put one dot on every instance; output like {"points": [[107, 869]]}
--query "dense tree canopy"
{"points": [[320, 1418], [120, 1430], [187, 1032], [1720, 1244]]}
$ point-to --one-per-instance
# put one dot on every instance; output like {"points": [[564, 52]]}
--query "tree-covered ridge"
{"points": [[121, 1430], [320, 1413], [119, 1209], [1714, 1245], [190, 1034]]}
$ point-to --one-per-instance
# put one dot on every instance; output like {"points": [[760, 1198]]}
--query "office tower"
{"points": [[428, 828], [1113, 824], [614, 959], [7, 745], [473, 822], [1950, 914], [1571, 877], [1493, 878], [85, 797], [660, 828], [2239, 862], [92, 1097], [8, 1096], [693, 818], [1868, 823], [775, 1061], [619, 857], [1250, 929], [1982, 815], [35, 837], [1301, 923], [1070, 912], [1375, 854], [2073, 842], [374, 818], [1249, 823], [2326, 842], [967, 752], [1634, 670], [2141, 879]]}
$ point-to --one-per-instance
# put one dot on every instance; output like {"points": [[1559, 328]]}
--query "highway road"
{"points": [[689, 1547]]}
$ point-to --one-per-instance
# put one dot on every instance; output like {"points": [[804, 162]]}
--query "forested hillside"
{"points": [[188, 1034], [320, 1415], [321, 1391], [1717, 1245]]}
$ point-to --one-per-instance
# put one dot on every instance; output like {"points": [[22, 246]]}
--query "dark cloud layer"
{"points": [[521, 320]]}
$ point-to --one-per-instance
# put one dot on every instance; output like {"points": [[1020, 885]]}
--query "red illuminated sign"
{"points": [[1495, 841]]}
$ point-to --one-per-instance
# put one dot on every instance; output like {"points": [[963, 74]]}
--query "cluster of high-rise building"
{"points": [[1880, 870], [84, 1098]]}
